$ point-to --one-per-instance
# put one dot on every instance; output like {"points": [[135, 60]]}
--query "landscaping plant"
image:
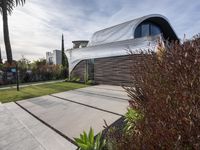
{"points": [[131, 117], [166, 91], [90, 142]]}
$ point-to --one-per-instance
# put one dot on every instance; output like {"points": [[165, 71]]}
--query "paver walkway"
{"points": [[69, 113]]}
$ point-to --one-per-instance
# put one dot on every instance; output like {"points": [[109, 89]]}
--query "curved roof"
{"points": [[126, 30], [115, 41], [120, 48]]}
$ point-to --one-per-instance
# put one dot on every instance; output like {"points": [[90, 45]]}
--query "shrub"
{"points": [[118, 139], [75, 79], [131, 117], [89, 142], [166, 91]]}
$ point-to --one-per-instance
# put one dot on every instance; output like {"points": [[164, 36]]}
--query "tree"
{"points": [[1, 61], [64, 58], [6, 7]]}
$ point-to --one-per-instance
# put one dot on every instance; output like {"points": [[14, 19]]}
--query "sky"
{"points": [[37, 27]]}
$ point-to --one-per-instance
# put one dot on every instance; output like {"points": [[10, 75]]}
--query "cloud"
{"points": [[37, 27]]}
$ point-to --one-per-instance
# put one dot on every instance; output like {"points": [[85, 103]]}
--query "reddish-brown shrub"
{"points": [[166, 90]]}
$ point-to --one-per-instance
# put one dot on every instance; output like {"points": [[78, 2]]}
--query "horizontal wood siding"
{"points": [[110, 70]]}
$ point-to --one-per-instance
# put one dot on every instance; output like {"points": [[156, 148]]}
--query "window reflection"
{"points": [[147, 29], [155, 29]]}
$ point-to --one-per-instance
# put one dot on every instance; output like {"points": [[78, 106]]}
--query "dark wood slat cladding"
{"points": [[110, 70]]}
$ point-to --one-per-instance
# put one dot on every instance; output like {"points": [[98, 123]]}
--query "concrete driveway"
{"points": [[69, 113]]}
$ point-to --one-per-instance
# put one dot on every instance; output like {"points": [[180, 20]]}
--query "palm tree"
{"points": [[6, 7]]}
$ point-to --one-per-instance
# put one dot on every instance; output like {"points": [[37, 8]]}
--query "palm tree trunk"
{"points": [[6, 32]]}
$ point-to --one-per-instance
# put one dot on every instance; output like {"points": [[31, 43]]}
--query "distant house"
{"points": [[54, 57], [105, 59]]}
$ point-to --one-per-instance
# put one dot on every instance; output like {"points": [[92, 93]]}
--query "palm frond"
{"points": [[11, 4], [20, 2]]}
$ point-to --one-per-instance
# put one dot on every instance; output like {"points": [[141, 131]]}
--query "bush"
{"points": [[75, 79], [89, 142], [131, 117], [166, 91]]}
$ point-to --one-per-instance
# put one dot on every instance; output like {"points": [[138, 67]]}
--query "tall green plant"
{"points": [[6, 7], [64, 57], [1, 61], [89, 142], [131, 117]]}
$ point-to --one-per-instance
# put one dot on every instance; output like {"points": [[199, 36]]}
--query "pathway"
{"points": [[67, 114]]}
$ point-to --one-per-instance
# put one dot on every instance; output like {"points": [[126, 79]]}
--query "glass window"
{"points": [[155, 30], [145, 30], [138, 32], [90, 66]]}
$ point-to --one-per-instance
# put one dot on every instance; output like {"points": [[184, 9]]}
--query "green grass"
{"points": [[28, 83], [10, 95]]}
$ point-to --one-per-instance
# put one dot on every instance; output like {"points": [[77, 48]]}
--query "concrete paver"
{"points": [[45, 137], [67, 117], [69, 112], [107, 103], [14, 136], [106, 91]]}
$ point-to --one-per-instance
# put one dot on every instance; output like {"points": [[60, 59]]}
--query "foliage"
{"points": [[35, 71], [39, 70], [165, 90], [75, 79], [89, 142], [90, 82], [64, 57], [131, 117], [6, 7], [117, 139], [10, 4], [1, 66]]}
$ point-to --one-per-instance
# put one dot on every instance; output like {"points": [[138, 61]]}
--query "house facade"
{"points": [[106, 58]]}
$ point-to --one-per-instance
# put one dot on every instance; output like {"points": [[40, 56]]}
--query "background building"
{"points": [[54, 57]]}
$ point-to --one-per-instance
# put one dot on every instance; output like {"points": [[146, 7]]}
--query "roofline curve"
{"points": [[158, 18], [148, 17]]}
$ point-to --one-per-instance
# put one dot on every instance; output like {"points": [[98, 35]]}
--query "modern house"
{"points": [[105, 59], [54, 57]]}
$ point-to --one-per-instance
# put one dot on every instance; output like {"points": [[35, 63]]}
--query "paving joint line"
{"points": [[25, 126], [87, 105], [110, 89], [103, 95], [48, 125]]}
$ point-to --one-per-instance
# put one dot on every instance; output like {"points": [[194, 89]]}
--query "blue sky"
{"points": [[37, 27]]}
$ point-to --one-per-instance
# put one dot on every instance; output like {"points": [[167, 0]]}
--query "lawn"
{"points": [[10, 95]]}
